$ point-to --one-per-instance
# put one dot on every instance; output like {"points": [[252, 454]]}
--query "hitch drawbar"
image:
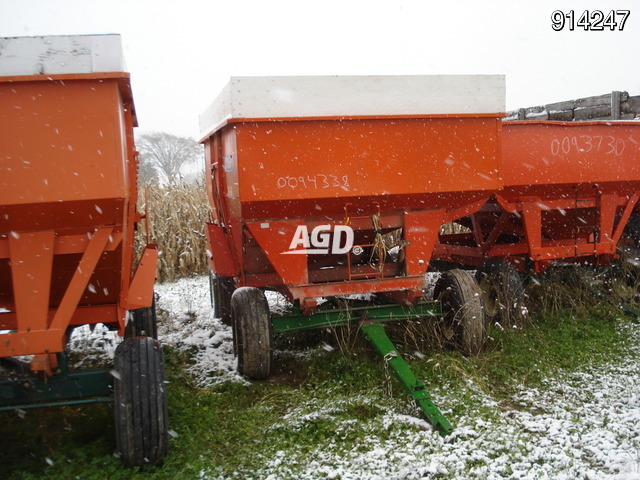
{"points": [[371, 319], [375, 333]]}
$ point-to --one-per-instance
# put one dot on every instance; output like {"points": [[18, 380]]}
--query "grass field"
{"points": [[550, 399], [555, 397]]}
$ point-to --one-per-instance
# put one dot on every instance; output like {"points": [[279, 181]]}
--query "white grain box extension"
{"points": [[61, 54], [341, 96]]}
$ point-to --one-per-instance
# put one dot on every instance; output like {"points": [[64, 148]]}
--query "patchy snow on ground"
{"points": [[580, 425], [92, 344], [187, 322]]}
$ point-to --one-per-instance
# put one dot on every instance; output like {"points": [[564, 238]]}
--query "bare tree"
{"points": [[147, 173], [166, 155]]}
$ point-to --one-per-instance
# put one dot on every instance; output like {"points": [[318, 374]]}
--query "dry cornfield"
{"points": [[177, 215], [453, 227]]}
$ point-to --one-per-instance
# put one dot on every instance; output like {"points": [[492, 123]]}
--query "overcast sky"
{"points": [[181, 53]]}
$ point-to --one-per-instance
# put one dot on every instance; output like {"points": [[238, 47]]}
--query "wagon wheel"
{"points": [[221, 290], [631, 236], [502, 292], [463, 318], [623, 279], [140, 402], [251, 332], [143, 322]]}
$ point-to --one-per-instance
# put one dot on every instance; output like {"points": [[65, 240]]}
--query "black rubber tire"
{"points": [[251, 332], [140, 402], [623, 279], [221, 290], [463, 323], [143, 322], [502, 293], [632, 232]]}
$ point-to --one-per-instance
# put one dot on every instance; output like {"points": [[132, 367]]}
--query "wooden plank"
{"points": [[632, 105], [544, 115], [561, 115], [533, 110], [615, 105], [589, 113], [611, 106], [585, 102], [564, 105], [593, 101]]}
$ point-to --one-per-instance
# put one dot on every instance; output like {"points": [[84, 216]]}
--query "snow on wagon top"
{"points": [[61, 54], [345, 96]]}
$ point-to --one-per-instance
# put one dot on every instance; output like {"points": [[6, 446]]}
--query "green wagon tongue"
{"points": [[376, 334], [371, 318]]}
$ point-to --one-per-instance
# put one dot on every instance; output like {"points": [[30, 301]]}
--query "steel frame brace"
{"points": [[62, 389], [352, 315]]}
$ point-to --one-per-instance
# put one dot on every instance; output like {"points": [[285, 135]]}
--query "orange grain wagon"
{"points": [[324, 187], [68, 192], [569, 191]]}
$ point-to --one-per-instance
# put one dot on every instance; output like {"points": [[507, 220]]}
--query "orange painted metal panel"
{"points": [[67, 172], [396, 284], [31, 263], [33, 342], [295, 160], [421, 232], [547, 153], [275, 238], [109, 315], [80, 280], [374, 174], [223, 262], [140, 293], [61, 141]]}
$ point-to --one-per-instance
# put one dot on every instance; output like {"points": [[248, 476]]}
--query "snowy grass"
{"points": [[582, 423], [186, 322], [558, 399]]}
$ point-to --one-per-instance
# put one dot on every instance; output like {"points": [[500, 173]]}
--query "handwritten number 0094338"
{"points": [[607, 145], [315, 182]]}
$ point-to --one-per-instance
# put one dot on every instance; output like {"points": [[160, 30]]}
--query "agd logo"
{"points": [[337, 239]]}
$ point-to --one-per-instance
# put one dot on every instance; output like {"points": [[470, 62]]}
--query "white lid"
{"points": [[61, 54], [293, 97]]}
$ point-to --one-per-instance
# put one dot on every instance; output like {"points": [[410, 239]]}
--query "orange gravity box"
{"points": [[68, 170], [376, 153]]}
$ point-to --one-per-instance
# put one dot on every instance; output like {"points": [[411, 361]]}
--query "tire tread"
{"points": [[140, 405]]}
